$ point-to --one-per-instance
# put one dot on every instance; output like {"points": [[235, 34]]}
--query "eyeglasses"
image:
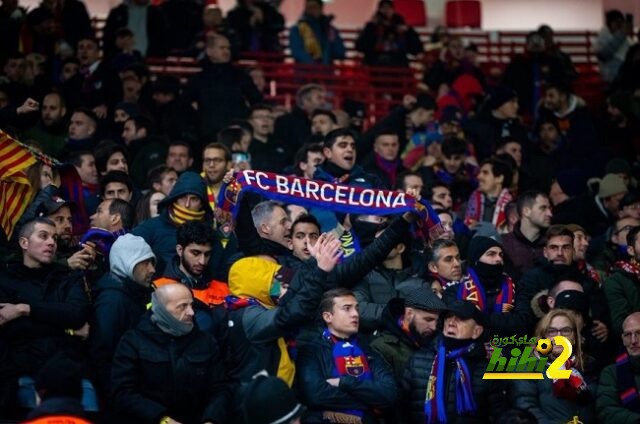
{"points": [[565, 331], [628, 335], [625, 228], [208, 161]]}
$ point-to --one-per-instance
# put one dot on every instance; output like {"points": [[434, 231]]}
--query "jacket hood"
{"points": [[539, 303], [252, 278], [128, 251], [188, 183]]}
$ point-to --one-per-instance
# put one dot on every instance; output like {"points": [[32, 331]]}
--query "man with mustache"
{"points": [[340, 379]]}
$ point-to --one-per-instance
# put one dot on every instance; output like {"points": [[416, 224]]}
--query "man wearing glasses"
{"points": [[622, 288], [618, 400], [216, 161]]}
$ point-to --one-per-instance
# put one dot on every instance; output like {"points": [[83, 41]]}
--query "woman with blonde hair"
{"points": [[555, 401]]}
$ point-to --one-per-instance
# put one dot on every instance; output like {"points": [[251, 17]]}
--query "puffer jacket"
{"points": [[155, 375], [488, 394], [378, 288]]}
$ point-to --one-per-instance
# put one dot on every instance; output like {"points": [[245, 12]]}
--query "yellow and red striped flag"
{"points": [[15, 189]]}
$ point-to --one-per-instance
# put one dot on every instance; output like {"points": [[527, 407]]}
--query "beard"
{"points": [[422, 339]]}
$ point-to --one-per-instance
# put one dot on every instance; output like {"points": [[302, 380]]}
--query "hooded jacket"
{"points": [[256, 332], [119, 303], [160, 232], [395, 346]]}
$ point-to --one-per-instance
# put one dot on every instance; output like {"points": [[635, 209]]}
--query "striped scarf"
{"points": [[349, 360], [627, 388], [475, 208], [179, 214], [471, 289], [632, 267], [434, 407]]}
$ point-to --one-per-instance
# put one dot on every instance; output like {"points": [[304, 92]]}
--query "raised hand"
{"points": [[327, 251]]}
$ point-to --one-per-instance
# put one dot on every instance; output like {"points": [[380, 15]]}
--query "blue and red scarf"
{"points": [[349, 360], [475, 208], [627, 388], [435, 409], [233, 303], [103, 239], [471, 289], [325, 195]]}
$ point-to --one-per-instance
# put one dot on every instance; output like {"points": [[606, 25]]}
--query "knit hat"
{"points": [[501, 95], [127, 252], [618, 166], [486, 229], [571, 181], [478, 246], [253, 277], [629, 199], [424, 299], [609, 186], [60, 376], [451, 114], [571, 299], [268, 400], [130, 109]]}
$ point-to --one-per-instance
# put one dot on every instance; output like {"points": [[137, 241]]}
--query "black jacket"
{"points": [[488, 394], [293, 130], [156, 30], [263, 36], [378, 287], [117, 308], [385, 44], [515, 322], [486, 130], [58, 302], [156, 375], [316, 364], [270, 156], [222, 92]]}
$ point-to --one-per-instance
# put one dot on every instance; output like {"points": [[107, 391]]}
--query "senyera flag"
{"points": [[15, 188], [335, 197]]}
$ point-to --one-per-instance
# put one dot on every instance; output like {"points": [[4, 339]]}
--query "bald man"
{"points": [[617, 400], [166, 369]]}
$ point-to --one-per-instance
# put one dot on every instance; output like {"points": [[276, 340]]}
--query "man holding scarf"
{"points": [[493, 292], [622, 288], [444, 380], [166, 370], [341, 379], [618, 400]]}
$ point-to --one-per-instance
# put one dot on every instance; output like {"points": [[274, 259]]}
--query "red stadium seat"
{"points": [[414, 12], [463, 13]]}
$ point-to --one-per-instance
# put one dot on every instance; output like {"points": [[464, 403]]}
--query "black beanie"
{"points": [[501, 95], [269, 400], [59, 377], [478, 246]]}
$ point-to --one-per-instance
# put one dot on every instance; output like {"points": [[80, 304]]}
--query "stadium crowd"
{"points": [[128, 293]]}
